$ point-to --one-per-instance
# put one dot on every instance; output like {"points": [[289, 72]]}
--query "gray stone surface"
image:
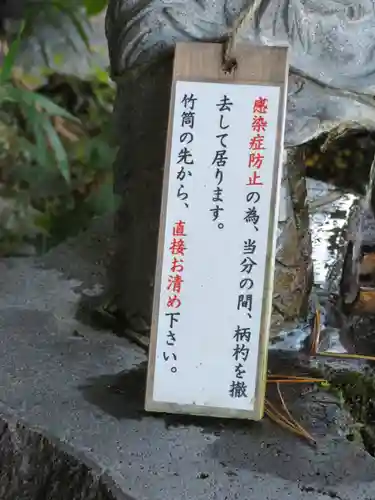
{"points": [[83, 389], [36, 466], [331, 44], [62, 46]]}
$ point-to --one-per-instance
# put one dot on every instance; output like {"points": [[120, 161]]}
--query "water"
{"points": [[326, 225], [329, 212]]}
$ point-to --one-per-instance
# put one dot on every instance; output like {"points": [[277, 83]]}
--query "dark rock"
{"points": [[36, 467]]}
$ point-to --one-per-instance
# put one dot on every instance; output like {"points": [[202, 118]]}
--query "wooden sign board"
{"points": [[215, 266]]}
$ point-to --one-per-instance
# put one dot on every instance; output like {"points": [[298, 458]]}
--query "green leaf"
{"points": [[6, 93], [10, 58], [94, 7], [58, 59], [51, 108], [59, 150], [30, 98], [101, 75], [43, 222], [35, 123]]}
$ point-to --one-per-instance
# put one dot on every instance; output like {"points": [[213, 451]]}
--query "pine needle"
{"points": [[296, 381], [316, 331], [295, 423], [283, 417]]}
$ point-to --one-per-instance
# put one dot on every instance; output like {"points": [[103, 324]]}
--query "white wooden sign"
{"points": [[213, 303]]}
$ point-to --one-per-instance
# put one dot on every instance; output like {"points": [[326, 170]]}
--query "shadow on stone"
{"points": [[123, 396], [99, 312], [90, 312]]}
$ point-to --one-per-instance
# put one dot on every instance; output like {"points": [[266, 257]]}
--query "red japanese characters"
{"points": [[174, 286], [177, 249], [256, 144]]}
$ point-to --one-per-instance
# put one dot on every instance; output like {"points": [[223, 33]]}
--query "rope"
{"points": [[242, 22]]}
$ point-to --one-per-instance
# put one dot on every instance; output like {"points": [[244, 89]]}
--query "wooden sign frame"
{"points": [[256, 65]]}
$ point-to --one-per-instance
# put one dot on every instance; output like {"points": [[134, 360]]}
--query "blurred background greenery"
{"points": [[56, 146]]}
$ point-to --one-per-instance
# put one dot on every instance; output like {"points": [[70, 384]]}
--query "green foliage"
{"points": [[357, 391], [37, 112], [55, 156], [94, 7]]}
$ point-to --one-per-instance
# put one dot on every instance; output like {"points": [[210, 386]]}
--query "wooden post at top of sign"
{"points": [[215, 263], [255, 64]]}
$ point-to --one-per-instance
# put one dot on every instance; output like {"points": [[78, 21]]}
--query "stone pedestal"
{"points": [[141, 114]]}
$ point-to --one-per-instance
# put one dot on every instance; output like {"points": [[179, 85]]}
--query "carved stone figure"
{"points": [[332, 79]]}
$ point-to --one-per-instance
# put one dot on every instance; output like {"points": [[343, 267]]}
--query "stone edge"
{"points": [[12, 420]]}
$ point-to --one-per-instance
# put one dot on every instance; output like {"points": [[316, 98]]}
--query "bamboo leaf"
{"points": [[38, 100], [51, 108], [6, 93], [35, 123], [10, 57], [58, 149]]}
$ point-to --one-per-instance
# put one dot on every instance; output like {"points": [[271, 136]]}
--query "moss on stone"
{"points": [[358, 392]]}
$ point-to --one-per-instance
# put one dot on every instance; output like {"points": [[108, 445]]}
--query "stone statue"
{"points": [[332, 79]]}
